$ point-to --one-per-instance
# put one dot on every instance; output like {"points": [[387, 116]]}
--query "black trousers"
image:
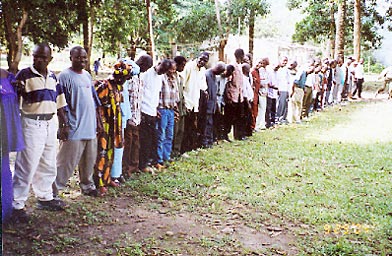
{"points": [[234, 116], [270, 113], [148, 141]]}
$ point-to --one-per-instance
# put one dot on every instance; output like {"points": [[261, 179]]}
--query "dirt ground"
{"points": [[150, 224]]}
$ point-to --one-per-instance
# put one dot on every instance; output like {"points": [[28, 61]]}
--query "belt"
{"points": [[43, 117]]}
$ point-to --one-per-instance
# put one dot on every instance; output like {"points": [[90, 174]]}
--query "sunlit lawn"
{"points": [[338, 193]]}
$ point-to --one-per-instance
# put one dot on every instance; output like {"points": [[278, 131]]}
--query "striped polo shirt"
{"points": [[41, 95]]}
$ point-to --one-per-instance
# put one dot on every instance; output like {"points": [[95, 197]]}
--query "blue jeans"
{"points": [[165, 134]]}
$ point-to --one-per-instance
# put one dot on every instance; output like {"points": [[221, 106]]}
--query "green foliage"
{"points": [[41, 26], [196, 21], [316, 24]]}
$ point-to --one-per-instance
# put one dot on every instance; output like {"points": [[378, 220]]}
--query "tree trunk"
{"points": [[251, 31], [340, 29], [357, 29], [14, 38], [150, 29], [85, 27], [91, 33], [332, 31], [221, 49]]}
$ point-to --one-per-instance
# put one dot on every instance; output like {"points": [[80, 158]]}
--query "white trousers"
{"points": [[36, 165], [296, 104], [260, 119]]}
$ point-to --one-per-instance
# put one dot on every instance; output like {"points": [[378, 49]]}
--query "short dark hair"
{"points": [[144, 62], [166, 64], [43, 46], [75, 49], [179, 59], [239, 53]]}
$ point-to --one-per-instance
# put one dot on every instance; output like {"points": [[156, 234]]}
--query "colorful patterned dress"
{"points": [[110, 97]]}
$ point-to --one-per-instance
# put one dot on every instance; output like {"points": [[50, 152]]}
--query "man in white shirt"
{"points": [[284, 86], [359, 74], [272, 97], [194, 84], [152, 82]]}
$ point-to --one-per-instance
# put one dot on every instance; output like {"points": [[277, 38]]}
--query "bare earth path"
{"points": [[371, 124]]}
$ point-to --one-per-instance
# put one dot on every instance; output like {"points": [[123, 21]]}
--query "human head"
{"points": [[293, 64], [78, 57], [144, 62], [173, 69], [239, 55], [203, 59], [332, 63], [122, 72], [219, 68], [275, 66], [283, 61], [163, 66], [180, 61], [246, 69], [229, 70], [42, 55], [310, 69], [248, 59], [265, 62]]}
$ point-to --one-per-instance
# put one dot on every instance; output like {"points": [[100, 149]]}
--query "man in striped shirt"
{"points": [[41, 98]]}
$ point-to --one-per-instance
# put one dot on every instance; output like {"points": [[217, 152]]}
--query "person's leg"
{"points": [[46, 171], [27, 160], [262, 108], [161, 133], [360, 85], [86, 165], [273, 111], [126, 159], [135, 148], [178, 135], [168, 141], [68, 157], [268, 112], [145, 141], [209, 131]]}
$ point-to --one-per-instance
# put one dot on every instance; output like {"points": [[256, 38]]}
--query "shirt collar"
{"points": [[38, 73]]}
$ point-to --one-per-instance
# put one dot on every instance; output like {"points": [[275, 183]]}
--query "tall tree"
{"points": [[247, 12], [315, 27], [357, 29], [20, 19], [340, 29]]}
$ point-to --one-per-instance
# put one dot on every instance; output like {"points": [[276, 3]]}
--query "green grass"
{"points": [[303, 180], [332, 198]]}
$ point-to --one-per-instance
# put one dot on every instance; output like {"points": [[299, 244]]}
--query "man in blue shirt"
{"points": [[80, 148]]}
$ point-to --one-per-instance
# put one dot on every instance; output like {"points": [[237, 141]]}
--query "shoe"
{"points": [[19, 216], [148, 169], [185, 155], [102, 191], [92, 193], [160, 167], [115, 183], [52, 205]]}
